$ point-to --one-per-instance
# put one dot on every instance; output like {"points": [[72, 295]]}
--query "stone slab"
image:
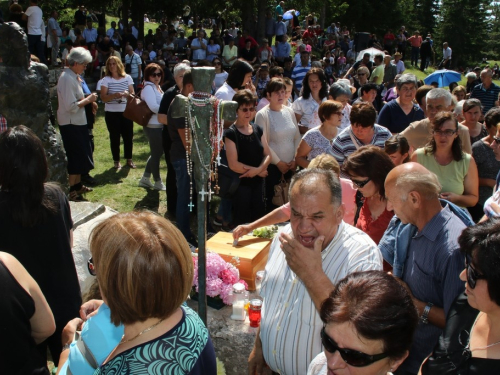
{"points": [[81, 212]]}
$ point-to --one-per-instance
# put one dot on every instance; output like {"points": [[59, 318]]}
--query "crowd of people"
{"points": [[383, 173]]}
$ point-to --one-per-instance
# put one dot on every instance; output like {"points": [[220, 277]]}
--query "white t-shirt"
{"points": [[34, 14], [225, 92], [114, 86], [219, 80]]}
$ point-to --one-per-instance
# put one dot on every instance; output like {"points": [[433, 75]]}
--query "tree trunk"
{"points": [[322, 16], [261, 20]]}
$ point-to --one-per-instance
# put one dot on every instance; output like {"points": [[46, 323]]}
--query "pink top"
{"points": [[348, 198]]}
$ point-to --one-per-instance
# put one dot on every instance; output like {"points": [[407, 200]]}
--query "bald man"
{"points": [[433, 263]]}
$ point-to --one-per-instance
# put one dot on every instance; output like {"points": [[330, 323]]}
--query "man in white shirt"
{"points": [[306, 260], [446, 63], [55, 32], [34, 16], [233, 30]]}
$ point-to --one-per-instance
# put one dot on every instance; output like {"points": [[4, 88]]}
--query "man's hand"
{"points": [[241, 230], [305, 262], [256, 362]]}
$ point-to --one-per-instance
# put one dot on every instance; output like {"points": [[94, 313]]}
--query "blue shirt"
{"points": [[432, 270], [486, 96], [90, 35], [393, 117], [283, 49]]}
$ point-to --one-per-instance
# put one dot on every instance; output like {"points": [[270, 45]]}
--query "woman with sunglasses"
{"points": [[114, 89], [144, 268], [220, 74], [470, 342], [373, 216], [248, 155], [282, 132], [319, 140], [369, 322], [360, 79], [456, 170], [152, 95]]}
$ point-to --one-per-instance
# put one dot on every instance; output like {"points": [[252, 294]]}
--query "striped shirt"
{"points": [[486, 96], [432, 270], [291, 325], [3, 124], [298, 74], [114, 86], [343, 144]]}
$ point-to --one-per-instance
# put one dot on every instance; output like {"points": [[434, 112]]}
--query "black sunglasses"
{"points": [[155, 74], [351, 357], [90, 266], [361, 184], [472, 275]]}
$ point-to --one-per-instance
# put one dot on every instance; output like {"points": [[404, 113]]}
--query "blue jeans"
{"points": [[182, 210]]}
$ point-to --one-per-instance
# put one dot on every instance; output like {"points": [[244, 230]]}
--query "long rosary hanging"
{"points": [[202, 99]]}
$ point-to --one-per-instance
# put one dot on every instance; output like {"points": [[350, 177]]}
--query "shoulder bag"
{"points": [[137, 110]]}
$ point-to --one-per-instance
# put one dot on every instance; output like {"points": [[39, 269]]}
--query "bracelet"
{"points": [[65, 347], [424, 318]]}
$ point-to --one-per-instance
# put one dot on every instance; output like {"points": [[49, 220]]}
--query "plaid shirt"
{"points": [[3, 124]]}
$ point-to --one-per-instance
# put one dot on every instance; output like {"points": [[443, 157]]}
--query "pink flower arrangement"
{"points": [[221, 276]]}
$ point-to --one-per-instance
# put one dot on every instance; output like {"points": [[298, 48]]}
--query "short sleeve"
{"points": [[260, 132], [105, 82], [297, 106], [309, 138], [229, 133], [178, 123], [129, 79]]}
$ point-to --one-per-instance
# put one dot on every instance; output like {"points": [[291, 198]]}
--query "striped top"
{"points": [[298, 74], [114, 86], [432, 270], [343, 145], [486, 96], [290, 326]]}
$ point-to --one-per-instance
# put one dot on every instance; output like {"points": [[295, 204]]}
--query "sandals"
{"points": [[118, 165], [84, 189], [75, 197], [131, 164]]}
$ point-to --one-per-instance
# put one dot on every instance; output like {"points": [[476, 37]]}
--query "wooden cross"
{"points": [[202, 82]]}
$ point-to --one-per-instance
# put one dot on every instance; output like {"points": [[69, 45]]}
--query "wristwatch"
{"points": [[425, 314]]}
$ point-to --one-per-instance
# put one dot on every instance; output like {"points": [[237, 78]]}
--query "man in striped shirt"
{"points": [[487, 92], [362, 131], [299, 72], [306, 260], [433, 261]]}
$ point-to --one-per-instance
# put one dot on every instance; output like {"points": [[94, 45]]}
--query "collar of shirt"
{"points": [[435, 225]]}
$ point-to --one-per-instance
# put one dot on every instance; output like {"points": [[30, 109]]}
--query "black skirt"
{"points": [[78, 148]]}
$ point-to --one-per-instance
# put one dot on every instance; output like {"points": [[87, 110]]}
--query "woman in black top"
{"points": [[36, 227], [248, 155], [470, 342]]}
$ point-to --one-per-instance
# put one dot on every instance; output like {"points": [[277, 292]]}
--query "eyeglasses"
{"points": [[361, 184], [351, 357], [247, 109], [90, 266], [497, 140], [155, 74], [472, 274], [446, 133]]}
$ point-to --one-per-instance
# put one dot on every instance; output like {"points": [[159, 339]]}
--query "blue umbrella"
{"points": [[443, 77], [288, 14]]}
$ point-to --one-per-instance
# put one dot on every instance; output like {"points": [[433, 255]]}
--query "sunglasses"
{"points": [[218, 63], [155, 74], [247, 109], [351, 357], [472, 274], [361, 184], [90, 266], [496, 139], [447, 132]]}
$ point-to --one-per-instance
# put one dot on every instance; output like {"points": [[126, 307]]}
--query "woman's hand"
{"points": [[263, 173], [92, 98], [68, 333], [251, 172], [90, 308], [283, 167], [449, 196], [241, 230], [292, 165]]}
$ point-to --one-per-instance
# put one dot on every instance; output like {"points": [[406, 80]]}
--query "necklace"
{"points": [[140, 333], [481, 347]]}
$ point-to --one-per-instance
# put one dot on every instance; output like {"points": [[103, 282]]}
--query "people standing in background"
{"points": [[55, 32], [34, 16], [446, 63], [415, 41]]}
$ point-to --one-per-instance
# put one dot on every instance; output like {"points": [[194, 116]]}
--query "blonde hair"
{"points": [[119, 65], [143, 264], [325, 161]]}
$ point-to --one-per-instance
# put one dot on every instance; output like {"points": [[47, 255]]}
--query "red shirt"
{"points": [[307, 34], [374, 228], [241, 43], [415, 41]]}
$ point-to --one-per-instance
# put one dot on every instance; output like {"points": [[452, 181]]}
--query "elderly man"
{"points": [[390, 72], [133, 60], [487, 92], [433, 261], [400, 64], [419, 132], [362, 131], [471, 82], [168, 96], [199, 47], [311, 254]]}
